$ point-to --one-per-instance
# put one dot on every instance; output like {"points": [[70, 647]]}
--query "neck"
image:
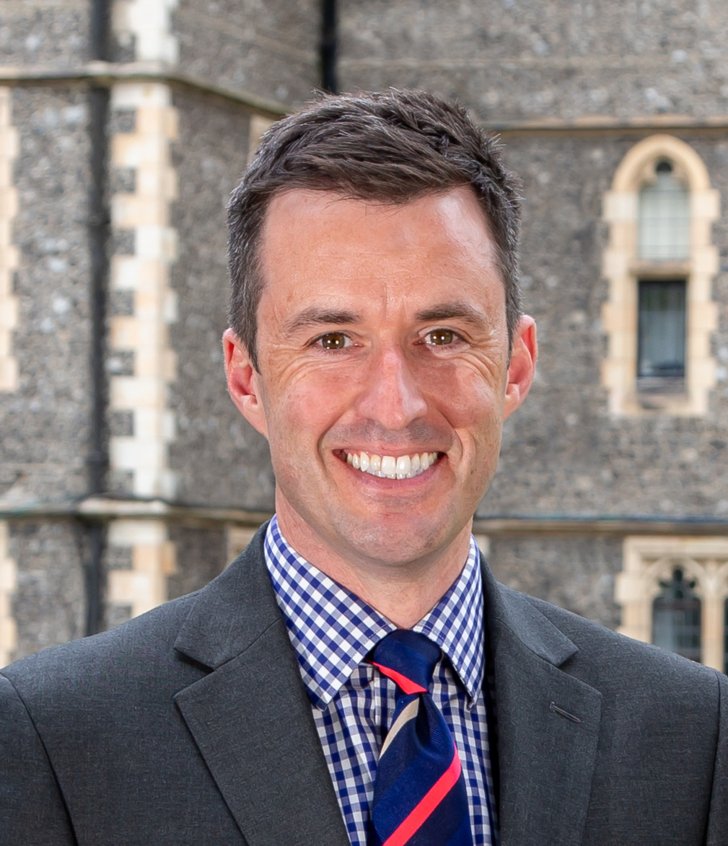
{"points": [[402, 590], [404, 602]]}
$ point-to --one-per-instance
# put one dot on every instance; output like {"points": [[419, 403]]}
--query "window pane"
{"points": [[661, 327], [676, 617], [664, 218]]}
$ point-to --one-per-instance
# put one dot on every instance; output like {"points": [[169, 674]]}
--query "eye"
{"points": [[332, 341], [441, 337]]}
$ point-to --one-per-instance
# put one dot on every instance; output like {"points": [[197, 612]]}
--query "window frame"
{"points": [[650, 559], [622, 268]]}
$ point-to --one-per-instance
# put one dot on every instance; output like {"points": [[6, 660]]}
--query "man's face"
{"points": [[384, 373]]}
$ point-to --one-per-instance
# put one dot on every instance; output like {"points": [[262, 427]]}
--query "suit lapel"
{"points": [[250, 716], [547, 725]]}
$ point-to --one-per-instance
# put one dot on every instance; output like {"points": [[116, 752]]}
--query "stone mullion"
{"points": [[636, 587], [712, 631], [714, 587]]}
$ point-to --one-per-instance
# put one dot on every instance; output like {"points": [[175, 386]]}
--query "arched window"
{"points": [[660, 263], [663, 235], [673, 592]]}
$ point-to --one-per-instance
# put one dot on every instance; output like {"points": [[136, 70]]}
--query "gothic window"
{"points": [[660, 262], [673, 592]]}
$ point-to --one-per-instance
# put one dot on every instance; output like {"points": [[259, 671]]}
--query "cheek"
{"points": [[473, 408], [303, 411], [469, 399]]}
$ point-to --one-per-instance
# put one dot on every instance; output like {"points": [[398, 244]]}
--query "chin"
{"points": [[400, 545]]}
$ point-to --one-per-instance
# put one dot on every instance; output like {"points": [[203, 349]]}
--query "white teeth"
{"points": [[391, 467], [404, 467]]}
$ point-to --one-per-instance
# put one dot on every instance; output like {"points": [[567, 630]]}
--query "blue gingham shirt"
{"points": [[332, 631]]}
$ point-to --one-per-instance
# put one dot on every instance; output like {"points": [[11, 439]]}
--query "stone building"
{"points": [[126, 476]]}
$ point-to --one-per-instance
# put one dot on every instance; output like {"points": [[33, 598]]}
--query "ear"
{"points": [[522, 366], [243, 381]]}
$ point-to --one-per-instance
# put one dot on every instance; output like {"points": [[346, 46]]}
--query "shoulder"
{"points": [[119, 658], [619, 665], [150, 655], [147, 643]]}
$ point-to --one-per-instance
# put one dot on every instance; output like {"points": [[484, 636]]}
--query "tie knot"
{"points": [[408, 658]]}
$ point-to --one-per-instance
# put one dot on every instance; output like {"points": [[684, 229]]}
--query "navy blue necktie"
{"points": [[419, 791]]}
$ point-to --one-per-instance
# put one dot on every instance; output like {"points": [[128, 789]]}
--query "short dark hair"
{"points": [[393, 147]]}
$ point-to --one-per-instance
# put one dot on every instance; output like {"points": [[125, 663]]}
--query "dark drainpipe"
{"points": [[97, 461], [328, 46]]}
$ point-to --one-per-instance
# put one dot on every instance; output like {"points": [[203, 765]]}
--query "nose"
{"points": [[391, 395]]}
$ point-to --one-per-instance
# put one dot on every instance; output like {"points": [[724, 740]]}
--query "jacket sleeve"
{"points": [[32, 810], [718, 819]]}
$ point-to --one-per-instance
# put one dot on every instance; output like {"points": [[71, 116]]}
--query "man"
{"points": [[377, 342]]}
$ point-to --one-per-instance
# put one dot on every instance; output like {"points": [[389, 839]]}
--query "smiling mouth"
{"points": [[390, 466]]}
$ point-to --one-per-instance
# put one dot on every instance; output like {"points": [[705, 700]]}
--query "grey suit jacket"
{"points": [[190, 725]]}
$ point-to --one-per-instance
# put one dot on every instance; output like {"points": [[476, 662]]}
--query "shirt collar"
{"points": [[332, 629]]}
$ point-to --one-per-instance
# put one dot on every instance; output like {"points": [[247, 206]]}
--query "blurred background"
{"points": [[126, 475]]}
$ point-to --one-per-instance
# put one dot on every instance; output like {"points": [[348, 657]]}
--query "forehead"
{"points": [[320, 242]]}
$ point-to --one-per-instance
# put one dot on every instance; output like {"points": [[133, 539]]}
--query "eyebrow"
{"points": [[457, 309], [317, 316]]}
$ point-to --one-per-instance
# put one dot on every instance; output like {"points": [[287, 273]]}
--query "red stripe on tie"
{"points": [[405, 685], [419, 814]]}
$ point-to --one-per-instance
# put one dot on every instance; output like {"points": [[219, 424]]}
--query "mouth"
{"points": [[391, 466]]}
